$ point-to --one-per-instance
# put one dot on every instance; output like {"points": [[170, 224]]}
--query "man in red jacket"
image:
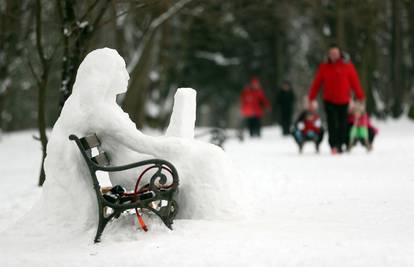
{"points": [[253, 102], [338, 78]]}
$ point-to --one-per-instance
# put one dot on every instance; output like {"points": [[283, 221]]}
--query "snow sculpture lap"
{"points": [[205, 172]]}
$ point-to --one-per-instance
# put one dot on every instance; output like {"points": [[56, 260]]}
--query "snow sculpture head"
{"points": [[104, 75]]}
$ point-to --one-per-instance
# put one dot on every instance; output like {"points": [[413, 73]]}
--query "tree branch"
{"points": [[35, 76], [157, 22], [142, 5], [100, 14], [88, 10], [39, 47]]}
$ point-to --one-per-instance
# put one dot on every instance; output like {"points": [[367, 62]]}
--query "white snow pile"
{"points": [[204, 170]]}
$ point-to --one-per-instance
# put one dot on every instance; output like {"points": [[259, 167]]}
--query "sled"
{"points": [[156, 197], [305, 139]]}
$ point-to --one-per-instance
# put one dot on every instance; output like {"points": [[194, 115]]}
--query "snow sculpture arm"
{"points": [[122, 129], [181, 125]]}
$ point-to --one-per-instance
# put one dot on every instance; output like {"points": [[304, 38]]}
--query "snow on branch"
{"points": [[157, 22], [217, 58], [4, 85]]}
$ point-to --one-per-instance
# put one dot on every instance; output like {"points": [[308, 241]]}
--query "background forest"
{"points": [[212, 45]]}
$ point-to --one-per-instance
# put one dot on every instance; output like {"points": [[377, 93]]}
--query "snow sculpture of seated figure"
{"points": [[204, 170]]}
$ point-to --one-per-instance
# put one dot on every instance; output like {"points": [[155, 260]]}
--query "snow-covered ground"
{"points": [[309, 210]]}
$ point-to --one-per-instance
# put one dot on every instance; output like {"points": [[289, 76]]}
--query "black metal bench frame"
{"points": [[217, 136], [161, 187]]}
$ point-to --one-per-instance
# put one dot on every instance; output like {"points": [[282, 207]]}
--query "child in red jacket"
{"points": [[253, 103], [308, 127]]}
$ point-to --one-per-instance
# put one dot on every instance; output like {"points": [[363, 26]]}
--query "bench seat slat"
{"points": [[90, 141]]}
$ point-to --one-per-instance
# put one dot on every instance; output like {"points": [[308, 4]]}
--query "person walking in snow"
{"points": [[253, 103], [339, 79], [285, 101]]}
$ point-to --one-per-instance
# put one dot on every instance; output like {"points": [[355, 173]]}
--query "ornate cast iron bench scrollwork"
{"points": [[157, 196]]}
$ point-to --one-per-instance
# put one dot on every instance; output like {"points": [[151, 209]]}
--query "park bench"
{"points": [[217, 136], [157, 196]]}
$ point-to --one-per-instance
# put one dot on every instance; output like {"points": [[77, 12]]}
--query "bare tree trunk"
{"points": [[42, 82], [9, 27], [4, 91], [410, 9], [119, 38], [280, 50], [67, 16], [368, 51], [136, 96], [396, 59], [340, 23], [367, 68], [165, 65], [76, 31], [139, 67], [3, 69], [41, 120]]}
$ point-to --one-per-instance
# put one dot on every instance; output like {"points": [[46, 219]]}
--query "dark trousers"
{"points": [[286, 121], [336, 116], [254, 125]]}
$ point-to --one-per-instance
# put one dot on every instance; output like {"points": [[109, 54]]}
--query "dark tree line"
{"points": [[213, 46]]}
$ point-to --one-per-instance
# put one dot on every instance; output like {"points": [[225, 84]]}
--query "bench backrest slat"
{"points": [[92, 141]]}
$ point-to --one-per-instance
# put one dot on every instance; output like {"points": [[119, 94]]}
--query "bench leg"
{"points": [[103, 221], [167, 213], [101, 226]]}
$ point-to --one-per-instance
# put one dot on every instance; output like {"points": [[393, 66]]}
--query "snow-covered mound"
{"points": [[205, 171]]}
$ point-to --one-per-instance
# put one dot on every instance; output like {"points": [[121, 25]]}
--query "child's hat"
{"points": [[359, 106]]}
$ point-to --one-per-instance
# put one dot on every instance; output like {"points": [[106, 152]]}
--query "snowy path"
{"points": [[311, 210]]}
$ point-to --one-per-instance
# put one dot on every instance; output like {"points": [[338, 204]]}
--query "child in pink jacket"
{"points": [[360, 128]]}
